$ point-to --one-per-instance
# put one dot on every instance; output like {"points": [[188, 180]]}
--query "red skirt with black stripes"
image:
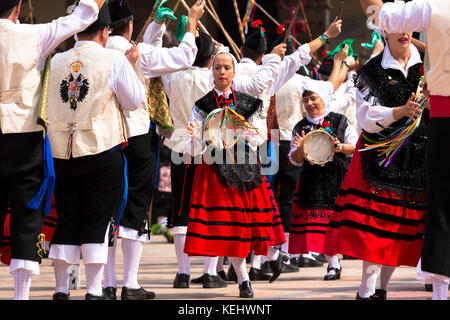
{"points": [[375, 225], [224, 221]]}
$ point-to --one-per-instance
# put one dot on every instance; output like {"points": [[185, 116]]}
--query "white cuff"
{"points": [[178, 230], [131, 234], [16, 264], [68, 253]]}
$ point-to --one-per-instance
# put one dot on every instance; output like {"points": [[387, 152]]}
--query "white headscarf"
{"points": [[322, 89]]}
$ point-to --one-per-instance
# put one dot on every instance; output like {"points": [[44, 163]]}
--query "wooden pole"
{"points": [[239, 21], [341, 9], [308, 28], [202, 27], [149, 20], [291, 24]]}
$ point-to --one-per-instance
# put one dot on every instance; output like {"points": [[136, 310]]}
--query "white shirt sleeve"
{"points": [[166, 82], [350, 135], [262, 80], [53, 33], [398, 17], [130, 92], [289, 66], [157, 61], [292, 161], [370, 114], [154, 34]]}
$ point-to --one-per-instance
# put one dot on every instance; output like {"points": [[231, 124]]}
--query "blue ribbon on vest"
{"points": [[123, 199], [48, 184]]}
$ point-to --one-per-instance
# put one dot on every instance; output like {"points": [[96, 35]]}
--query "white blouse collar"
{"points": [[317, 120], [227, 93], [389, 62]]}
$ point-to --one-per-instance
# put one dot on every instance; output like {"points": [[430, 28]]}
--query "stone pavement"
{"points": [[159, 266]]}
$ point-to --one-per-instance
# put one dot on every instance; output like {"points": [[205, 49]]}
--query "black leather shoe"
{"points": [[290, 267], [198, 280], [278, 265], [136, 294], [266, 267], [320, 257], [110, 293], [61, 296], [358, 297], [90, 296], [223, 275], [210, 281], [335, 276], [379, 294], [181, 281], [245, 290], [294, 261], [232, 276], [305, 262], [258, 275]]}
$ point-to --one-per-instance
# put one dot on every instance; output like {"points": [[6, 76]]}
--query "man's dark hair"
{"points": [[121, 26], [251, 54], [6, 13]]}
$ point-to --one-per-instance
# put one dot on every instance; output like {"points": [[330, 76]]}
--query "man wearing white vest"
{"points": [[89, 87], [432, 16], [142, 150], [23, 53]]}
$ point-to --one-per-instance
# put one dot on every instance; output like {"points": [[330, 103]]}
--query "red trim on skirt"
{"points": [[440, 106], [374, 225], [224, 221]]}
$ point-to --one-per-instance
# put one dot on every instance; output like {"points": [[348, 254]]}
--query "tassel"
{"points": [[48, 183]]}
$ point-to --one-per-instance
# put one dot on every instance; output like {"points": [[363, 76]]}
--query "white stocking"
{"points": [[211, 265], [385, 276], [94, 275], [272, 254], [132, 252], [370, 275], [256, 262], [110, 278], [184, 262], [62, 276], [239, 265], [219, 266], [440, 289], [22, 284]]}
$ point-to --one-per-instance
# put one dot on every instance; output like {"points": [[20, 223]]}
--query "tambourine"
{"points": [[318, 147], [216, 133]]}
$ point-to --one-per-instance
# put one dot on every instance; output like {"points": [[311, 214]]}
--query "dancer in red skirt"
{"points": [[231, 209], [318, 185], [379, 212]]}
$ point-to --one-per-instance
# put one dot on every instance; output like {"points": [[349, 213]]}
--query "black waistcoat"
{"points": [[319, 185], [405, 175], [245, 175]]}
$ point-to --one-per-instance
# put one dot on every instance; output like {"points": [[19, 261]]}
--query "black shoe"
{"points": [[210, 281], [358, 297], [223, 275], [290, 267], [320, 257], [226, 261], [136, 294], [198, 280], [61, 296], [90, 296], [232, 276], [379, 294], [335, 276], [278, 265], [266, 267], [245, 290], [258, 275], [429, 287], [309, 263], [294, 261], [181, 281], [110, 293]]}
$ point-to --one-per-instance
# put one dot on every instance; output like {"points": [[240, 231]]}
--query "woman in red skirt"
{"points": [[231, 211], [379, 213], [318, 185]]}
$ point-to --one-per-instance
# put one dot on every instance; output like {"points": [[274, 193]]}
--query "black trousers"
{"points": [[87, 194], [436, 246], [285, 184], [141, 154], [21, 175]]}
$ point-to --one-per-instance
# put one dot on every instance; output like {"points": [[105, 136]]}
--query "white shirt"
{"points": [[54, 33], [350, 136], [370, 112], [123, 81]]}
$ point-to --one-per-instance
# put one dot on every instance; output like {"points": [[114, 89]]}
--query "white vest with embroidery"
{"points": [[138, 121], [20, 81], [438, 45], [289, 107], [83, 111], [186, 87]]}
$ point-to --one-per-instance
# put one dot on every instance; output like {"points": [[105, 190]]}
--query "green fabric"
{"points": [[375, 38], [163, 13], [347, 42], [181, 28]]}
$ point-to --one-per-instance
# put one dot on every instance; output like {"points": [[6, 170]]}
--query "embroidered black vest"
{"points": [[405, 175], [246, 174], [319, 185]]}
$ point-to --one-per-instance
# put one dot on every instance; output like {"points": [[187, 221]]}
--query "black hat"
{"points": [[326, 67], [7, 4], [205, 45], [256, 41], [119, 11], [103, 21], [279, 40]]}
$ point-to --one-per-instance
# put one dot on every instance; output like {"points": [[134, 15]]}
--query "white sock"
{"points": [[184, 262], [285, 246], [308, 255], [333, 262], [132, 252], [210, 265], [62, 275], [385, 276], [240, 266], [219, 266], [256, 262], [370, 275], [94, 275], [440, 289], [22, 284], [272, 254], [110, 277]]}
